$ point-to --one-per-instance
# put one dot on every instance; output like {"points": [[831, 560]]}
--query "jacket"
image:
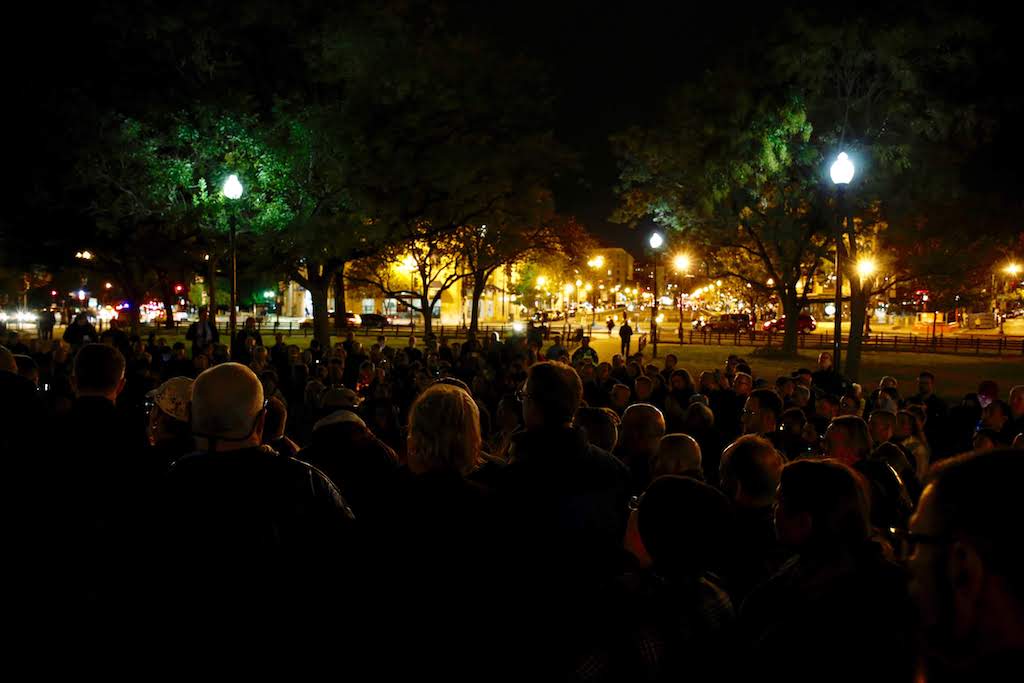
{"points": [[569, 498], [192, 335]]}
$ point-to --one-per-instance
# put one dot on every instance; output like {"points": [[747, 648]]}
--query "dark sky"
{"points": [[611, 64]]}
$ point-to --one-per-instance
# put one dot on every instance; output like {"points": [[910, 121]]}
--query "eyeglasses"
{"points": [[905, 542]]}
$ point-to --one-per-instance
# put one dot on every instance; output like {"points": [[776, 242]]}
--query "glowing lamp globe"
{"points": [[656, 240], [232, 187], [842, 170]]}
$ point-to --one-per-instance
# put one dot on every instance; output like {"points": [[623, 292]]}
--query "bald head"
{"points": [[750, 470], [7, 362], [227, 404], [642, 427], [677, 454]]}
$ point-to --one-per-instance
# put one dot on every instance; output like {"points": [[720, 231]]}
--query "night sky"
{"points": [[609, 67]]}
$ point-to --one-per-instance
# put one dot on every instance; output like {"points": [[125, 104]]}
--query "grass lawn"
{"points": [[955, 375]]}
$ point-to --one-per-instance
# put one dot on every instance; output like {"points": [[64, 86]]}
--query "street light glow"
{"points": [[656, 240], [1013, 269], [596, 262], [866, 267], [541, 280], [588, 287], [842, 170], [681, 262], [108, 286], [569, 288], [232, 187]]}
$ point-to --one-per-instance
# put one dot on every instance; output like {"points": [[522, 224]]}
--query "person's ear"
{"points": [[260, 421], [966, 574]]}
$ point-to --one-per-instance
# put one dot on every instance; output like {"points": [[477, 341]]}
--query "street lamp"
{"points": [[681, 262], [866, 267], [842, 172], [656, 241], [1013, 270], [232, 190]]}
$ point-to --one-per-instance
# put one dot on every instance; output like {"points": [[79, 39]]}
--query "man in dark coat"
{"points": [[202, 333], [243, 523]]}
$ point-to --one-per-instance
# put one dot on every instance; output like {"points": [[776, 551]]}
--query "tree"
{"points": [[899, 90], [428, 258], [506, 239], [735, 173]]}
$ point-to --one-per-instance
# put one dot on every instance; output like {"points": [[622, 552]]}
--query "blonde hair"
{"points": [[444, 430]]}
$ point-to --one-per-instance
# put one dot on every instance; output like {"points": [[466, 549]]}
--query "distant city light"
{"points": [[681, 262], [108, 285]]}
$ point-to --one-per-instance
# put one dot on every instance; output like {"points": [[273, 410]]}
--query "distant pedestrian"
{"points": [[611, 326], [46, 322], [202, 333], [625, 333]]}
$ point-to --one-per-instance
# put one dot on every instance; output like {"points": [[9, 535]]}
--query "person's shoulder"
{"points": [[605, 461]]}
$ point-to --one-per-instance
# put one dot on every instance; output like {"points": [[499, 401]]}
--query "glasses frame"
{"points": [[908, 541]]}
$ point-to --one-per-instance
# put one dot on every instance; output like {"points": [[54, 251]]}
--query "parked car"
{"points": [[350, 320], [804, 324], [375, 320], [727, 323]]}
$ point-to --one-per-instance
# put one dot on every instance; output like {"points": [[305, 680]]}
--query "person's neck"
{"points": [[220, 446], [752, 502], [112, 397]]}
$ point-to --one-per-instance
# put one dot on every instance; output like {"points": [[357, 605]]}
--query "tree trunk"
{"points": [[167, 292], [135, 295], [318, 287], [791, 309], [211, 289], [339, 298], [858, 311], [479, 282], [428, 316]]}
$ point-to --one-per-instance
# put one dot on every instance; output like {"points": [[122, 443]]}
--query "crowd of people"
{"points": [[500, 509]]}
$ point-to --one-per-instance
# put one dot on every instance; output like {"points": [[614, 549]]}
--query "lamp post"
{"points": [[842, 173], [656, 241], [233, 191], [1013, 270], [681, 262]]}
